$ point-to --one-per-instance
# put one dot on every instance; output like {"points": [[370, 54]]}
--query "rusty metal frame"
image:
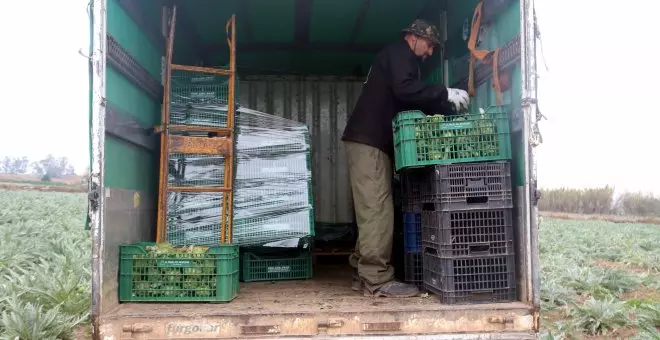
{"points": [[222, 143]]}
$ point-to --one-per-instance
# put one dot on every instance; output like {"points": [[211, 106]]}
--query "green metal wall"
{"points": [[332, 21], [128, 166], [505, 28], [129, 36]]}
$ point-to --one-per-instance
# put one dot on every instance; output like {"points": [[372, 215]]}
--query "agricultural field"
{"points": [[600, 280], [45, 266]]}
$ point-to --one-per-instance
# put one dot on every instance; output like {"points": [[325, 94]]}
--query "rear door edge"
{"points": [[97, 138], [531, 139]]}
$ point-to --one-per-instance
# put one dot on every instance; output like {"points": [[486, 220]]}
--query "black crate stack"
{"points": [[464, 250]]}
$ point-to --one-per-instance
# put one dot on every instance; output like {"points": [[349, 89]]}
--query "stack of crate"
{"points": [[273, 201], [193, 218], [456, 190], [273, 216], [194, 190]]}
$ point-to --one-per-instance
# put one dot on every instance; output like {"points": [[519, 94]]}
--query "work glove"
{"points": [[459, 98]]}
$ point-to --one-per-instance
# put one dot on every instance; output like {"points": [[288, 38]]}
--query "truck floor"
{"points": [[329, 291]]}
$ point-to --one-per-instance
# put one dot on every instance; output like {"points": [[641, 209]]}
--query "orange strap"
{"points": [[481, 56]]}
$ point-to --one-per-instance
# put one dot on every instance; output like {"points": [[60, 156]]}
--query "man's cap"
{"points": [[423, 29]]}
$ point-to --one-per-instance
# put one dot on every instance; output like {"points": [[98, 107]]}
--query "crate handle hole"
{"points": [[428, 207], [479, 248], [477, 200], [475, 183], [481, 295]]}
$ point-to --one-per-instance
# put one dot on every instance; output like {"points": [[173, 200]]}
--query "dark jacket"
{"points": [[393, 85]]}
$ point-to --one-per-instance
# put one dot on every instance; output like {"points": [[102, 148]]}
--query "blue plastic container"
{"points": [[412, 232]]}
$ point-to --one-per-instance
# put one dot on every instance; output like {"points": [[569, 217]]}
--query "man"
{"points": [[393, 85]]}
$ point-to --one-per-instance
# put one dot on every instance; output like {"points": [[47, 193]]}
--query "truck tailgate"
{"points": [[324, 306]]}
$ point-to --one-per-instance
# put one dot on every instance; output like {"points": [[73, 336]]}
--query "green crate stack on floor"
{"points": [[457, 185], [273, 202], [150, 272], [192, 266]]}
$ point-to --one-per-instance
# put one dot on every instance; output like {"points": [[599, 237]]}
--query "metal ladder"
{"points": [[219, 143]]}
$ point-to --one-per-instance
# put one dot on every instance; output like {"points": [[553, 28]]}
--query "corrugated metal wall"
{"points": [[323, 103]]}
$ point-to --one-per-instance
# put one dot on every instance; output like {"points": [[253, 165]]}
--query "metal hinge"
{"points": [[394, 326], [137, 328], [536, 193], [94, 195], [331, 324], [260, 330], [506, 321]]}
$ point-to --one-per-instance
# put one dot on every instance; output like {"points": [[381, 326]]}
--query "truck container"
{"points": [[304, 60]]}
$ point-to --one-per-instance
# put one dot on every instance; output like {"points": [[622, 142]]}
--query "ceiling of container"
{"points": [[304, 36]]}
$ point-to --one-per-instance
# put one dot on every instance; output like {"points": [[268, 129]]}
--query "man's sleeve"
{"points": [[407, 88]]}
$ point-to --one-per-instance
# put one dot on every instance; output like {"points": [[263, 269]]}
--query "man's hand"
{"points": [[459, 98]]}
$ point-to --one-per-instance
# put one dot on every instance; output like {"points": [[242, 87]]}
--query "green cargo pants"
{"points": [[370, 171]]}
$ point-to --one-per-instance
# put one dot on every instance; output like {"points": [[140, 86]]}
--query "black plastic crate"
{"points": [[460, 186], [411, 192], [463, 280], [472, 186], [414, 273], [468, 232], [410, 182], [412, 205]]}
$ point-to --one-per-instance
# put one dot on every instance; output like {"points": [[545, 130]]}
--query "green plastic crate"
{"points": [[421, 140], [196, 88], [211, 276], [276, 267]]}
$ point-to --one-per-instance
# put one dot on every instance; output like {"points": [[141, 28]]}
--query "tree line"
{"points": [[599, 201], [592, 201], [47, 168]]}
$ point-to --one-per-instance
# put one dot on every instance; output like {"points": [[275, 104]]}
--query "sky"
{"points": [[44, 82], [599, 129]]}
